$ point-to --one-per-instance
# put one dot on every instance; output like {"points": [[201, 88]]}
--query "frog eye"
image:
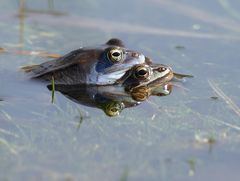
{"points": [[142, 72], [115, 55]]}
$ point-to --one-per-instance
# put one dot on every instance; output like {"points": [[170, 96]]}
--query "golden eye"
{"points": [[142, 72], [115, 55]]}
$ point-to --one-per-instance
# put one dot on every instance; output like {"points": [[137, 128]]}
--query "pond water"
{"points": [[192, 134]]}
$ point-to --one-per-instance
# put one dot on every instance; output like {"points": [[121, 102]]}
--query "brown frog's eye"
{"points": [[142, 72], [115, 55]]}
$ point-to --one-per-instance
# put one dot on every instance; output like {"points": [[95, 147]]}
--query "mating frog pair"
{"points": [[108, 76]]}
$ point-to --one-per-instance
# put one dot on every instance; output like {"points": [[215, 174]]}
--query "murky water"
{"points": [[193, 134]]}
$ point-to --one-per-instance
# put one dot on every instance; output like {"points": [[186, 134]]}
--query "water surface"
{"points": [[193, 134]]}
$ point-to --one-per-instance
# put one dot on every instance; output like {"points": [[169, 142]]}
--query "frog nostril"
{"points": [[161, 69]]}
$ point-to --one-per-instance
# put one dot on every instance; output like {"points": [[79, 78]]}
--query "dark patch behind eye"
{"points": [[103, 63]]}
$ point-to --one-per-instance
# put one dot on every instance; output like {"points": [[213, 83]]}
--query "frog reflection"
{"points": [[111, 99]]}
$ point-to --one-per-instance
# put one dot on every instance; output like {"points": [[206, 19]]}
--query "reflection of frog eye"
{"points": [[140, 93], [113, 108], [142, 72], [115, 55]]}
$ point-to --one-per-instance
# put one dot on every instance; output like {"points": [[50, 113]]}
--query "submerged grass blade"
{"points": [[233, 126], [8, 146], [6, 132], [221, 94], [230, 8], [53, 89], [124, 176], [6, 115]]}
